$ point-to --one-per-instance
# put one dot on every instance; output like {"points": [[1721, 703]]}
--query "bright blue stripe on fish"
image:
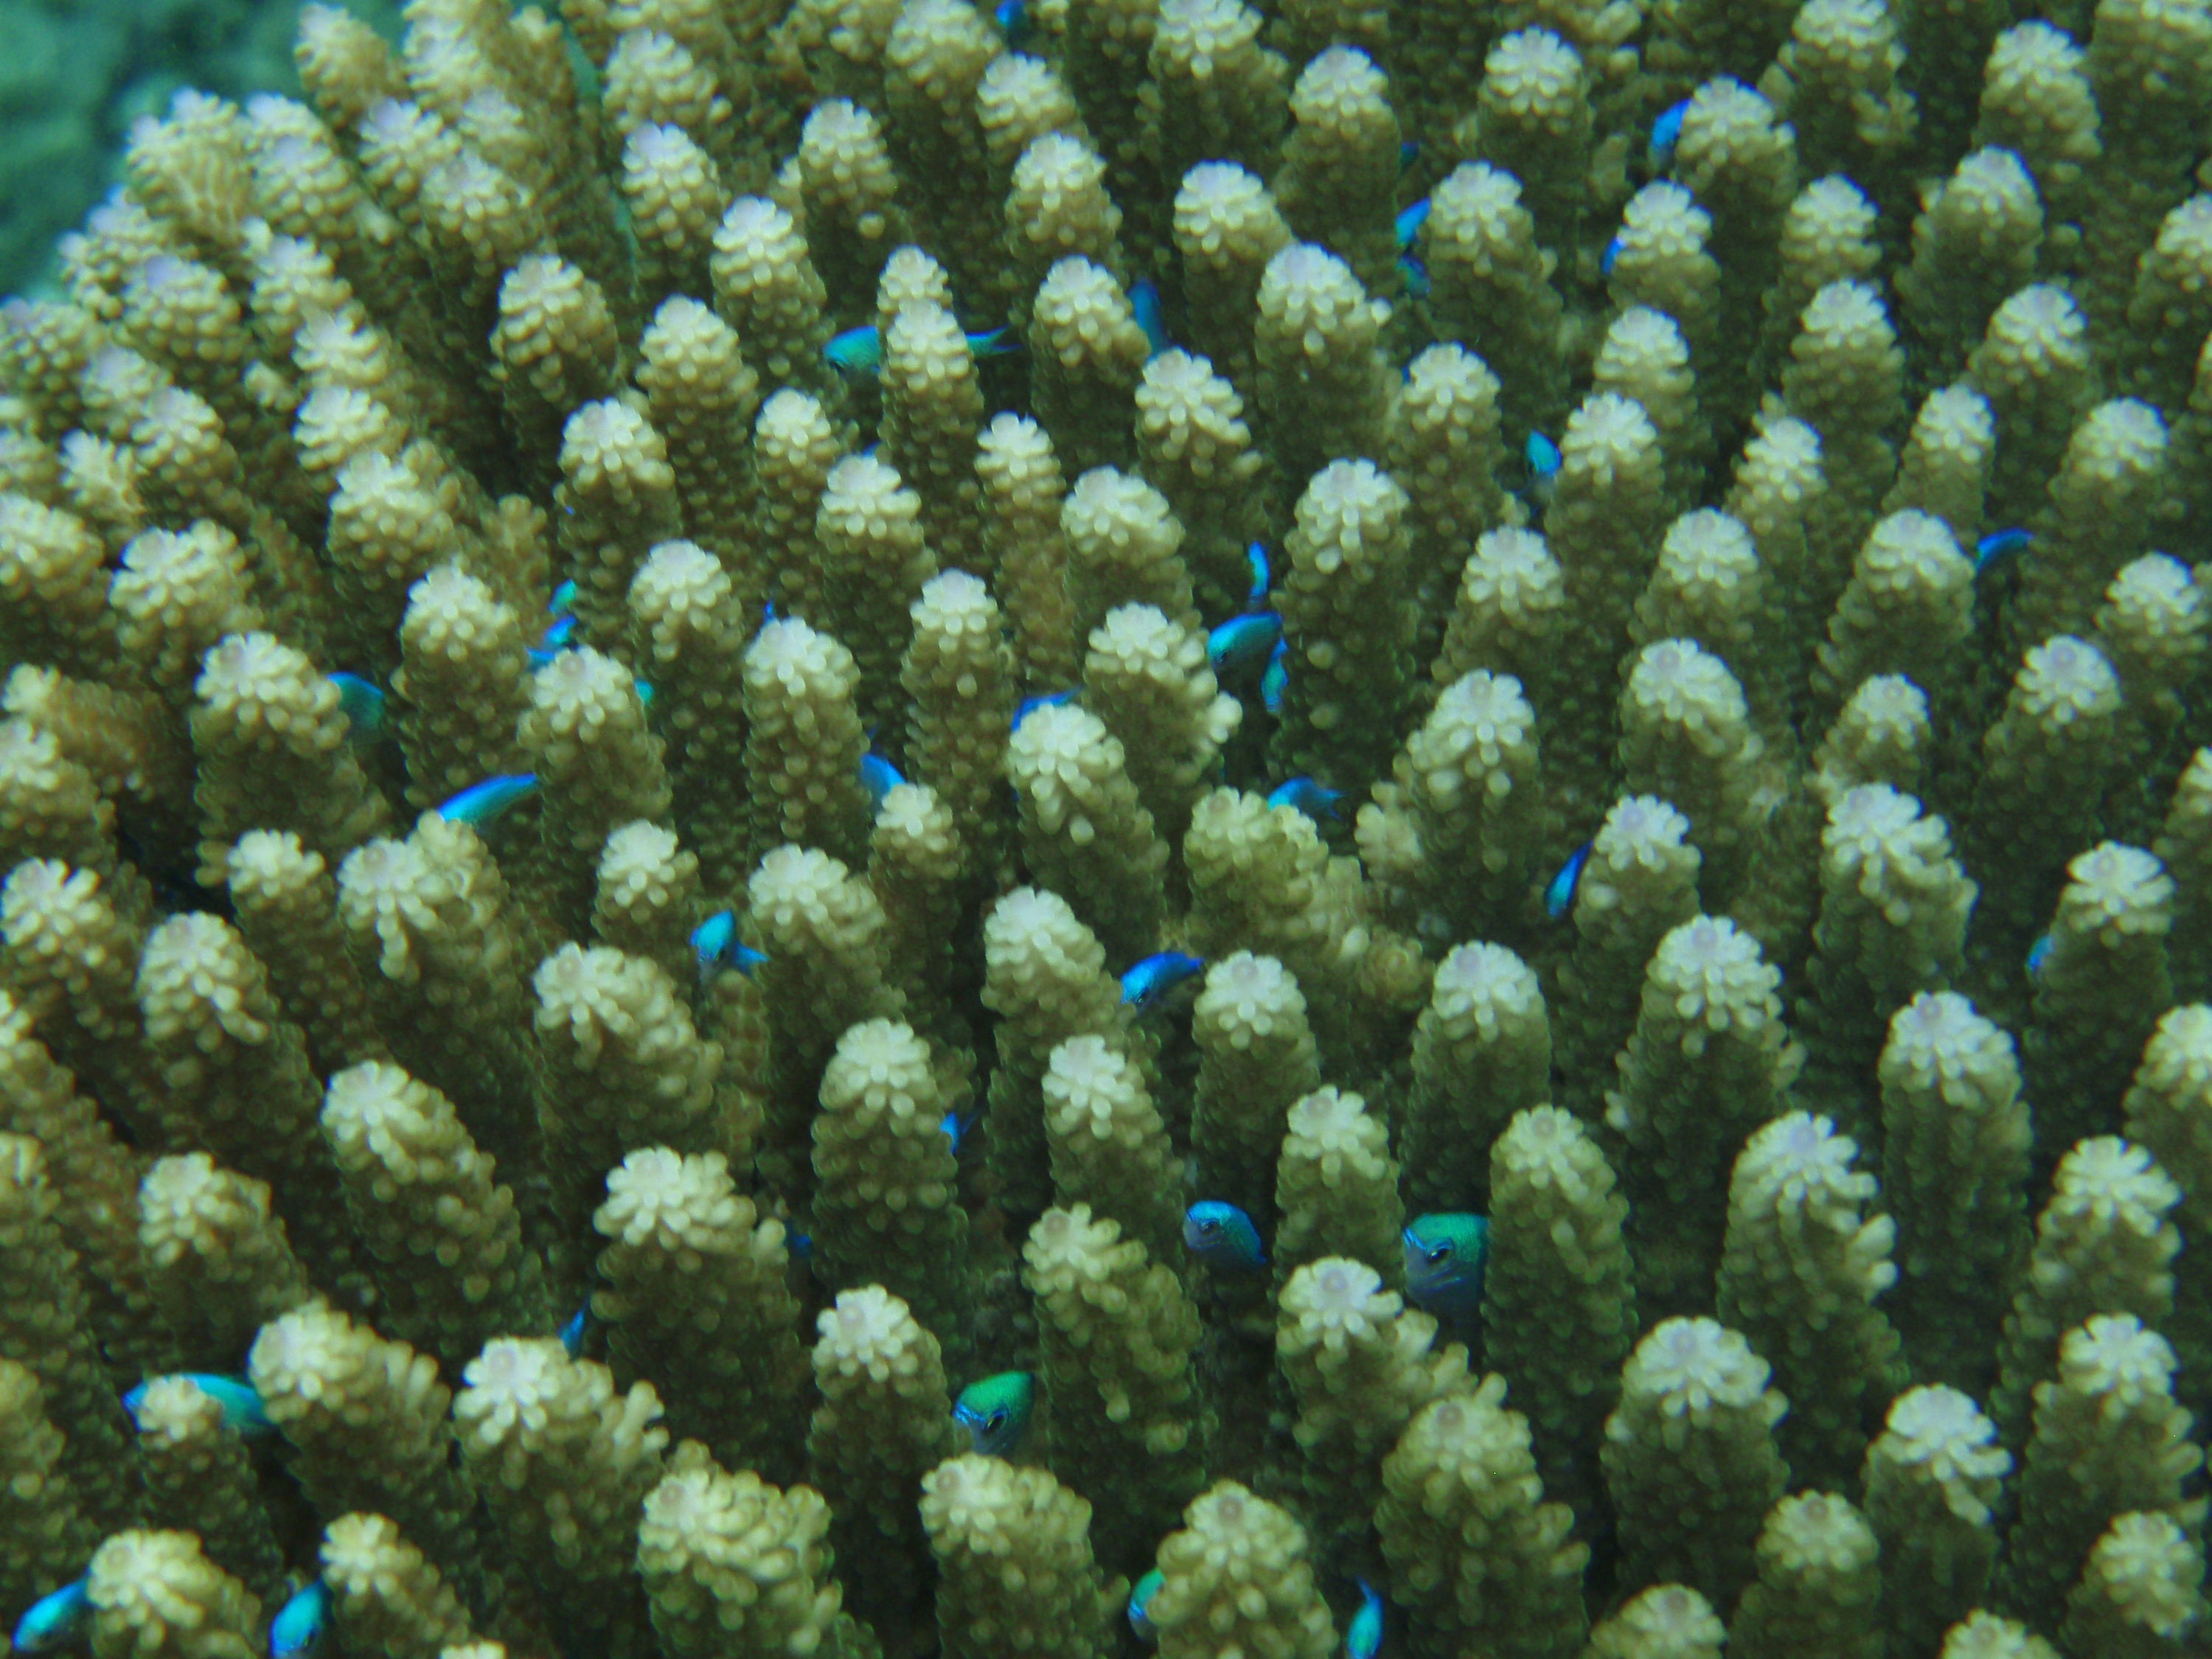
{"points": [[1149, 980], [1307, 796], [1665, 133], [56, 1620], [1240, 645], [484, 803], [1997, 545], [1559, 896], [1409, 223]]}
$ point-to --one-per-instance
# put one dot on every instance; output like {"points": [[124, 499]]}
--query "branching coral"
{"points": [[1510, 911]]}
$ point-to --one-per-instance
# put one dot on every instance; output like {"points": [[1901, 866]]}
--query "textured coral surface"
{"points": [[888, 829]]}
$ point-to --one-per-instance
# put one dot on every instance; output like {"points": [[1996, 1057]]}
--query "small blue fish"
{"points": [[301, 1623], [564, 599], [1146, 986], [1263, 575], [955, 1130], [1145, 300], [1141, 1607], [483, 805], [1409, 151], [715, 941], [1415, 275], [561, 636], [801, 1245], [878, 777], [1277, 680], [1665, 133], [1029, 706], [1997, 545], [54, 1621], [1307, 796], [644, 688], [1604, 260], [1364, 1639], [1240, 645], [1445, 1255], [1223, 1237], [995, 1410], [1559, 896], [1542, 457], [2037, 954], [572, 1332], [856, 350], [860, 351], [993, 342], [240, 1404], [1013, 17], [1410, 221], [361, 702]]}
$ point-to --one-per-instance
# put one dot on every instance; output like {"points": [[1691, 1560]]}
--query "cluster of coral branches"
{"points": [[1730, 809]]}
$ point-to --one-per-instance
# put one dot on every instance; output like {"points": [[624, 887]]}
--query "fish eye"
{"points": [[995, 1421], [1209, 1226], [1438, 1253]]}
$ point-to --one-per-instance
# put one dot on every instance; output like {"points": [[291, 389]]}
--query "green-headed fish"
{"points": [[995, 1410], [1445, 1254]]}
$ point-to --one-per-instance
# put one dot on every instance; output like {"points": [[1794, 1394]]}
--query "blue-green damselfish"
{"points": [[1223, 1237], [301, 1623], [56, 1620], [995, 1412], [240, 1404], [1445, 1254], [1141, 1607]]}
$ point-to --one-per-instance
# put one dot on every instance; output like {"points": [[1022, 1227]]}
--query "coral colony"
{"points": [[897, 830]]}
